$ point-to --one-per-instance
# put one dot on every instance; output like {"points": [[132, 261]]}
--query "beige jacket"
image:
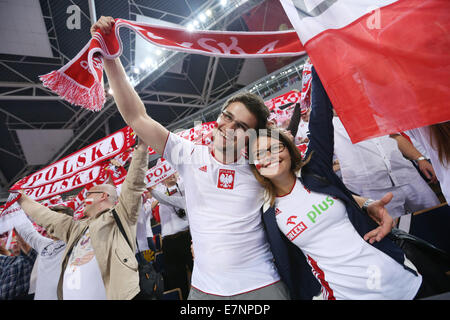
{"points": [[116, 259]]}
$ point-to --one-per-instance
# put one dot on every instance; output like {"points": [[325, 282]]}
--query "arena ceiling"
{"points": [[39, 36]]}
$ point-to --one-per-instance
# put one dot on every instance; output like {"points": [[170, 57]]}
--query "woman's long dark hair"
{"points": [[297, 161], [439, 140]]}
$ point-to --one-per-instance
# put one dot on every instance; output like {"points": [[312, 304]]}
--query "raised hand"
{"points": [[105, 24]]}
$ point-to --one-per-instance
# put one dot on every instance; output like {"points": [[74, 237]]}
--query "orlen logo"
{"points": [[226, 179], [296, 231], [289, 220]]}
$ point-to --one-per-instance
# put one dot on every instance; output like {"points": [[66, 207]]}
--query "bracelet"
{"points": [[366, 204], [420, 158]]}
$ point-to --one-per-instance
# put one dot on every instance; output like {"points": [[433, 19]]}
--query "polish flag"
{"points": [[385, 64]]}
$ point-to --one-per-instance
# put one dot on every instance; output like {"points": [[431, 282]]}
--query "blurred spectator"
{"points": [[303, 128], [144, 232], [435, 140], [15, 271], [176, 239], [47, 268], [373, 167]]}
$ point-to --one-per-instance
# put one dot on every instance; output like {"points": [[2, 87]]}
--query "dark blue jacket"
{"points": [[318, 176]]}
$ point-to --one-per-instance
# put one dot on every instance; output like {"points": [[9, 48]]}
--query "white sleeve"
{"points": [[178, 151], [141, 231], [27, 231], [176, 201], [149, 231]]}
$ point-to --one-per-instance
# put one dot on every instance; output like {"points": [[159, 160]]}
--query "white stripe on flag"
{"points": [[326, 14]]}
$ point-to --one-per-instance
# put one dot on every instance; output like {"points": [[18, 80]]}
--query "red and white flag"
{"points": [[384, 63]]}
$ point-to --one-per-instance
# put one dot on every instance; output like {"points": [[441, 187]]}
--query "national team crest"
{"points": [[226, 179]]}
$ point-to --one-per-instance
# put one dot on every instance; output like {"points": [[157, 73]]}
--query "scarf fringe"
{"points": [[91, 98]]}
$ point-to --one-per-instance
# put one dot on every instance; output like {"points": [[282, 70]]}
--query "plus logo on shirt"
{"points": [[226, 179]]}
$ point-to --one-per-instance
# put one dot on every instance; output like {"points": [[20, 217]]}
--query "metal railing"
{"points": [[272, 85]]}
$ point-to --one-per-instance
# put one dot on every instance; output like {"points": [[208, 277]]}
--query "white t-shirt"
{"points": [[82, 277], [49, 270], [422, 135], [48, 262], [223, 203], [347, 267], [372, 164]]}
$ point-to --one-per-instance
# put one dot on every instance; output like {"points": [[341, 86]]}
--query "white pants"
{"points": [[415, 196]]}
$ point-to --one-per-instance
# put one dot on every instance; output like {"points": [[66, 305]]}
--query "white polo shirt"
{"points": [[223, 202], [372, 164], [347, 267]]}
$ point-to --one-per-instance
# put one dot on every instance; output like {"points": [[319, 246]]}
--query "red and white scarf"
{"points": [[80, 80], [77, 169]]}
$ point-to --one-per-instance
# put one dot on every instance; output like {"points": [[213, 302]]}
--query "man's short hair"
{"points": [[63, 209], [254, 104]]}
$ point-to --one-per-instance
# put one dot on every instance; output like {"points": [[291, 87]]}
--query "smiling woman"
{"points": [[275, 160], [314, 222]]}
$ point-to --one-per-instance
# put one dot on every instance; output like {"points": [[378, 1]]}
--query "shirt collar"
{"points": [[266, 204]]}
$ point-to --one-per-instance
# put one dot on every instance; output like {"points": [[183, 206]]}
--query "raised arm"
{"points": [[57, 224], [27, 231], [130, 199], [128, 101], [321, 132], [176, 201]]}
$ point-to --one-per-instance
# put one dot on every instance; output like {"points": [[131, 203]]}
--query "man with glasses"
{"points": [[98, 263], [223, 199]]}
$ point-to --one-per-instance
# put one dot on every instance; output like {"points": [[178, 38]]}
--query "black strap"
{"points": [[119, 224], [179, 189]]}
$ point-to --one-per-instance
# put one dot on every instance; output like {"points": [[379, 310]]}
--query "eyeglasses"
{"points": [[228, 118], [91, 192], [273, 149]]}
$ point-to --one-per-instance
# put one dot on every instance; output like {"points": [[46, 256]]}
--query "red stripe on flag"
{"points": [[392, 78]]}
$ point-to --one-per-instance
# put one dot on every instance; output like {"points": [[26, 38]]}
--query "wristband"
{"points": [[420, 158], [366, 204]]}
